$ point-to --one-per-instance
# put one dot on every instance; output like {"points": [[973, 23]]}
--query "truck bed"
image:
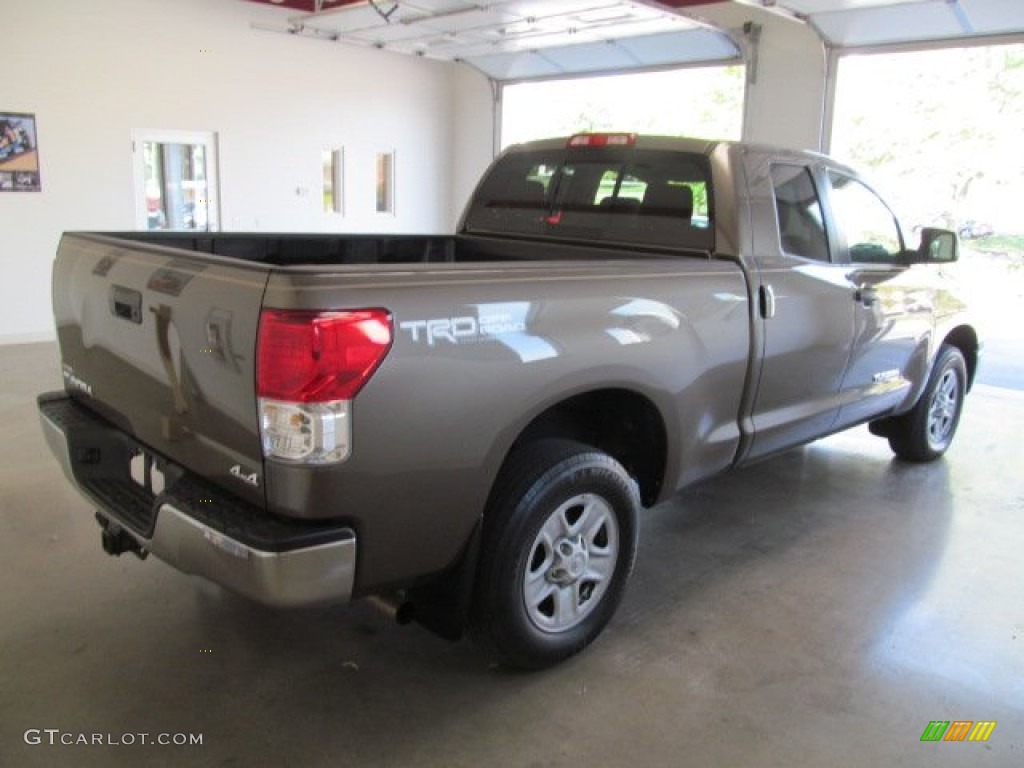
{"points": [[337, 250]]}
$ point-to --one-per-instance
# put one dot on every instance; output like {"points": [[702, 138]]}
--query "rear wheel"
{"points": [[558, 548], [927, 431]]}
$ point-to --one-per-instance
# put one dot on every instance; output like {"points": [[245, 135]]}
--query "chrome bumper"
{"points": [[284, 575], [323, 573]]}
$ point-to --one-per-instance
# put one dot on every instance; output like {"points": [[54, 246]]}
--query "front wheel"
{"points": [[925, 432], [559, 546]]}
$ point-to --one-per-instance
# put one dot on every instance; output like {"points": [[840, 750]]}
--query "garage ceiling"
{"points": [[521, 39], [858, 23], [527, 39]]}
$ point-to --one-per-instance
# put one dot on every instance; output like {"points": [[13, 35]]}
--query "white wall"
{"points": [[474, 117], [784, 104], [92, 72]]}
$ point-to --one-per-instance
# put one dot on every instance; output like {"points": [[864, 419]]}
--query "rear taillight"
{"points": [[309, 367]]}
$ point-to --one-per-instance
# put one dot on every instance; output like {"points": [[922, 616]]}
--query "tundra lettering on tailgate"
{"points": [[74, 382]]}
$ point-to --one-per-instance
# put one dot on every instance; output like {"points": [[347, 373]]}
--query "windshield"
{"points": [[626, 196]]}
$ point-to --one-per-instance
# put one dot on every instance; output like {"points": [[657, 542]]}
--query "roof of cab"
{"points": [[674, 143], [706, 147]]}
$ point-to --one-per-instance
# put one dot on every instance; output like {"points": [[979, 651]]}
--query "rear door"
{"points": [[805, 312], [161, 342]]}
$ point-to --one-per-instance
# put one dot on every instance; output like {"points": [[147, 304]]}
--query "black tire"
{"points": [[559, 543], [925, 432]]}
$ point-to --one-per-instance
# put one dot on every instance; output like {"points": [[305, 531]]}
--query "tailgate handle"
{"points": [[126, 304]]}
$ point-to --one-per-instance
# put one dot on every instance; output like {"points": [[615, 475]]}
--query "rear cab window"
{"points": [[622, 195]]}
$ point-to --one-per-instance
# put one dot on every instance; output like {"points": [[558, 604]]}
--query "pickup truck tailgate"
{"points": [[160, 343]]}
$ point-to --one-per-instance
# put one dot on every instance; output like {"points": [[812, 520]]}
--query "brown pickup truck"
{"points": [[469, 425]]}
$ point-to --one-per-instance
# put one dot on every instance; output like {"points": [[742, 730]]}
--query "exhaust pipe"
{"points": [[394, 607]]}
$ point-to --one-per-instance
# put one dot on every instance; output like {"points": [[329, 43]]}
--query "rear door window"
{"points": [[798, 213]]}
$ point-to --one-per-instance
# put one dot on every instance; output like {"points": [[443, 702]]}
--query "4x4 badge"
{"points": [[251, 479]]}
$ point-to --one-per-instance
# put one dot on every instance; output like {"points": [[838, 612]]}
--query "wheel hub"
{"points": [[570, 561], [942, 413]]}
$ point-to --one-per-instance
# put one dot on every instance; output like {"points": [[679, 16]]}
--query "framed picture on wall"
{"points": [[19, 153]]}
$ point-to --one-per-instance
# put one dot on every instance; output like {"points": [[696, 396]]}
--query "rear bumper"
{"points": [[195, 526]]}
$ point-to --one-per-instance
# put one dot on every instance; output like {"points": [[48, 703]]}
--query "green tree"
{"points": [[943, 126]]}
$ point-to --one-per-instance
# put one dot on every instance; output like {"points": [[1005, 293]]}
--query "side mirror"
{"points": [[938, 246]]}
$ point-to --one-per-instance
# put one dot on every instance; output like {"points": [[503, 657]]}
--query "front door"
{"points": [[894, 304]]}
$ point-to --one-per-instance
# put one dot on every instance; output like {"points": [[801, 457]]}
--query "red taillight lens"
{"points": [[315, 357]]}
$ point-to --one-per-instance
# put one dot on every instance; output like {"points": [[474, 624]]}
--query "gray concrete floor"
{"points": [[818, 609]]}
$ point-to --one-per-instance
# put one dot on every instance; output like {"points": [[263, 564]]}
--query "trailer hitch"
{"points": [[116, 540]]}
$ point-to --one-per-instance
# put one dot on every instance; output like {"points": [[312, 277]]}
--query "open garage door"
{"points": [[704, 102], [939, 130], [521, 39]]}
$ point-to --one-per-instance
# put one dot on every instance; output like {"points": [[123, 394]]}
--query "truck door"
{"points": [[893, 302], [804, 324]]}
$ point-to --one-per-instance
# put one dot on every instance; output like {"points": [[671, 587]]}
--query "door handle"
{"points": [[767, 301], [866, 295]]}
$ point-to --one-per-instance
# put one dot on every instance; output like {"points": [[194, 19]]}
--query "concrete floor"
{"points": [[818, 609]]}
